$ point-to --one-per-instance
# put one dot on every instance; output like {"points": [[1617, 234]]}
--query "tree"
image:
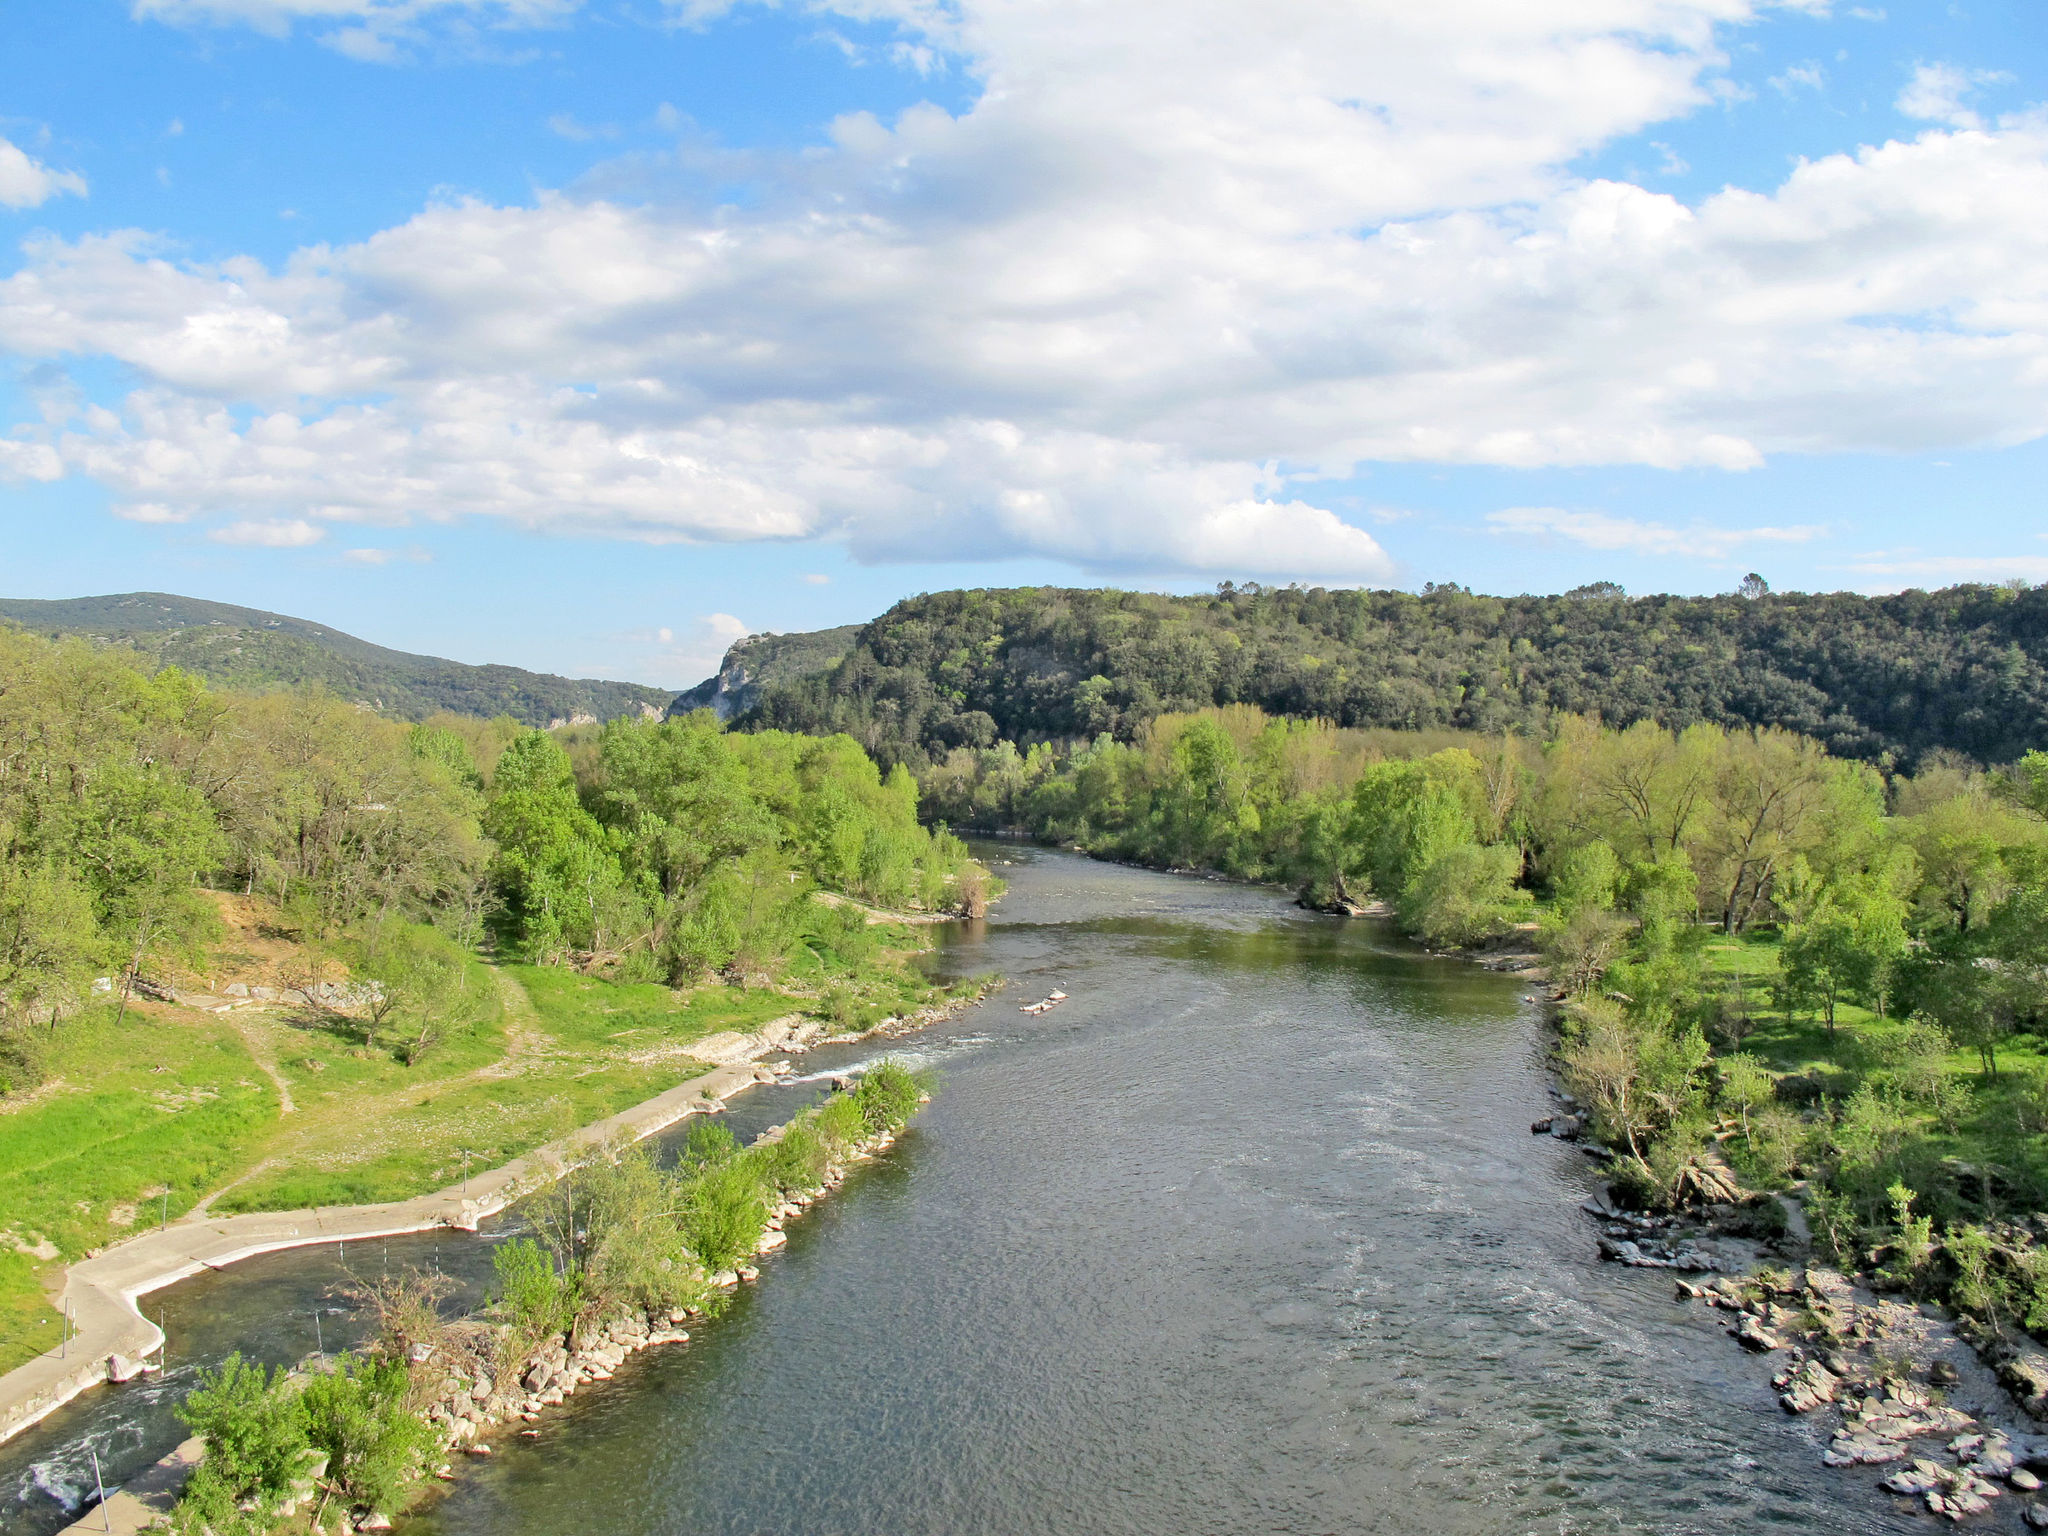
{"points": [[421, 990], [254, 1426], [143, 840], [1466, 893], [47, 940], [357, 1417], [561, 879], [1634, 1075], [1825, 962]]}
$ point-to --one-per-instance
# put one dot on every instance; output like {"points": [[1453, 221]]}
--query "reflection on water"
{"points": [[1248, 1235]]}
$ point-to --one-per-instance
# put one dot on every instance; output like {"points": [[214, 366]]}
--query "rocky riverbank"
{"points": [[469, 1405], [1903, 1386]]}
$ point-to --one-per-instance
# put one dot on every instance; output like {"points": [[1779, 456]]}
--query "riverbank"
{"points": [[112, 1341], [468, 1376]]}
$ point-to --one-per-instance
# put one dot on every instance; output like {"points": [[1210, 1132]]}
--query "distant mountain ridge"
{"points": [[1886, 678], [248, 648]]}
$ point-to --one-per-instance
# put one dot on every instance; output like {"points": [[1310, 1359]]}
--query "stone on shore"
{"points": [[1805, 1387]]}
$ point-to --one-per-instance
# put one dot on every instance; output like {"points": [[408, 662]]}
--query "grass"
{"points": [[181, 1100], [1994, 1123], [154, 1104]]}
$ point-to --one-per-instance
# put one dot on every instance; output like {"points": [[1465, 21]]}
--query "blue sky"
{"points": [[589, 334]]}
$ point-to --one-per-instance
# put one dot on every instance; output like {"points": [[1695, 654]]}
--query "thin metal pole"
{"points": [[165, 1219], [319, 1344], [106, 1516], [64, 1346]]}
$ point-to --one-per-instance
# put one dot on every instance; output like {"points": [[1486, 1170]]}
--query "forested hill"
{"points": [[759, 662], [248, 649], [1965, 668]]}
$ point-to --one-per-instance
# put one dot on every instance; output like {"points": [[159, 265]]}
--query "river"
{"points": [[1249, 1234]]}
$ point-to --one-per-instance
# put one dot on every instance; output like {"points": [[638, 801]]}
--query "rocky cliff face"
{"points": [[758, 661]]}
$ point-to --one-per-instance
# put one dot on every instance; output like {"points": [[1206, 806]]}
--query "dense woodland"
{"points": [[1882, 679], [251, 651], [1766, 954], [666, 851]]}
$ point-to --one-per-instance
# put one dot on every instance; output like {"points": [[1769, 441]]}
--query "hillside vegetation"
{"points": [[760, 662], [253, 651], [244, 938], [1874, 678]]}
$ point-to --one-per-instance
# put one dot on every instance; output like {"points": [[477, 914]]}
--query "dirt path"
{"points": [[259, 1047]]}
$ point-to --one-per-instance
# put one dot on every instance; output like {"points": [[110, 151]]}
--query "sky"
{"points": [[590, 335]]}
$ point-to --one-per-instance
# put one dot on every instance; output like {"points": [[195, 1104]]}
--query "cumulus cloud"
{"points": [[1170, 272], [1628, 535], [26, 182]]}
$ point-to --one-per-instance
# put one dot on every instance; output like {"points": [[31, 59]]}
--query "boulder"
{"points": [[2025, 1375], [1750, 1333], [1923, 1476], [1805, 1387]]}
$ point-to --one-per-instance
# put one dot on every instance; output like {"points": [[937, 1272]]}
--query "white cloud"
{"points": [[563, 125], [1800, 77], [1079, 319], [1936, 93], [1890, 570], [367, 556], [814, 579], [26, 182], [151, 512], [274, 533], [1628, 535], [369, 31]]}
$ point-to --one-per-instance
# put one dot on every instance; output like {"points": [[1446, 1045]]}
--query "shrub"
{"points": [[795, 1161], [723, 1212], [631, 1251], [707, 1145], [839, 1123], [375, 1446], [888, 1096], [539, 1300], [254, 1426]]}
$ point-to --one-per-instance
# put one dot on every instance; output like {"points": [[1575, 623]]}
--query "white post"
{"points": [[106, 1515]]}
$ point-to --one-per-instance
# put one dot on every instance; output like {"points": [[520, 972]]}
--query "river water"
{"points": [[1249, 1235]]}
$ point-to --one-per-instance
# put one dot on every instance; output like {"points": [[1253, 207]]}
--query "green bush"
{"points": [[839, 1123], [375, 1446], [723, 1213], [888, 1096], [539, 1300], [797, 1160], [254, 1427]]}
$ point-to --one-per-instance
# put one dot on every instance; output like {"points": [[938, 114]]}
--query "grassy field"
{"points": [[175, 1107], [1961, 1119]]}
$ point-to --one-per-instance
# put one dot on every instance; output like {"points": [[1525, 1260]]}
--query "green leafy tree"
{"points": [[1825, 961], [356, 1415], [254, 1428], [561, 879], [1636, 1076]]}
